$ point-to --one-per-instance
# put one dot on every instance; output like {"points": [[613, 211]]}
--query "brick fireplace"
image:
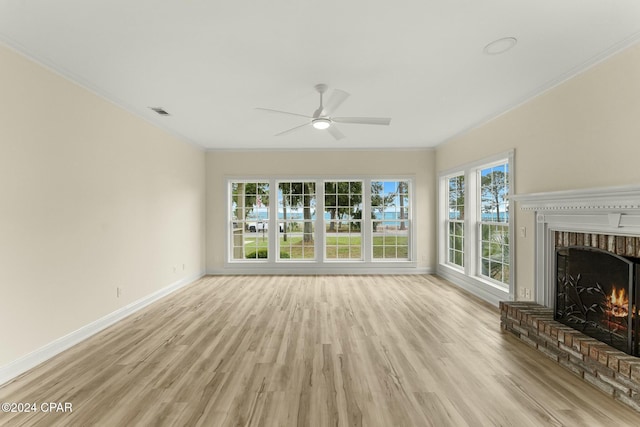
{"points": [[612, 371], [580, 318], [597, 287]]}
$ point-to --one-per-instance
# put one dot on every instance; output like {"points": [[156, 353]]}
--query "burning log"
{"points": [[618, 303]]}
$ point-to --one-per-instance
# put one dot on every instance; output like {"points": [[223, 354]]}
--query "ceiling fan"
{"points": [[323, 119]]}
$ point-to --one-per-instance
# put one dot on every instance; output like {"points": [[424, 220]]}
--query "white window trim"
{"points": [[369, 221], [444, 184], [469, 277], [316, 244], [366, 184], [320, 265]]}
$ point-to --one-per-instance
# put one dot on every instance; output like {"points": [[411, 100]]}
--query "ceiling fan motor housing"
{"points": [[321, 123]]}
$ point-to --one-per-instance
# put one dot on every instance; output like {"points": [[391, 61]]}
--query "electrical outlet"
{"points": [[118, 292], [527, 293]]}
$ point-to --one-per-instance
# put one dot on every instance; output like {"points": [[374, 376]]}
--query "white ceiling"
{"points": [[421, 62]]}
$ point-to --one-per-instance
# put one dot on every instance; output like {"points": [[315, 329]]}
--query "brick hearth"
{"points": [[612, 371]]}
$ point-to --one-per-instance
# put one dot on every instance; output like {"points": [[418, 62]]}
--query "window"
{"points": [[249, 220], [391, 222], [476, 229], [493, 217], [455, 220], [321, 221], [343, 220], [296, 220]]}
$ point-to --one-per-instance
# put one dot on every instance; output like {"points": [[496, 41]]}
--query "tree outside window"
{"points": [[390, 219]]}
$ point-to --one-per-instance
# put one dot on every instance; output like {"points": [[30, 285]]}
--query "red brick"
{"points": [[635, 372], [571, 351], [593, 352], [586, 344], [577, 342], [627, 382], [614, 359], [582, 364], [568, 364], [523, 316], [603, 356], [528, 319], [620, 388], [568, 340], [549, 352], [541, 325], [520, 330], [625, 365], [534, 323]]}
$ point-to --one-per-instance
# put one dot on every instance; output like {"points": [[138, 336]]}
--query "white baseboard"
{"points": [[33, 359], [482, 290], [310, 270]]}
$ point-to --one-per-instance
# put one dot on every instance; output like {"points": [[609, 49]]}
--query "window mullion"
{"points": [[365, 224], [273, 221], [472, 204], [319, 226]]}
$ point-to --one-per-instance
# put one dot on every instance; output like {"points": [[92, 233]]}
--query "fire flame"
{"points": [[618, 304]]}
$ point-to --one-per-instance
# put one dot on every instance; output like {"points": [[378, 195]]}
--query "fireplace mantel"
{"points": [[613, 210], [625, 198]]}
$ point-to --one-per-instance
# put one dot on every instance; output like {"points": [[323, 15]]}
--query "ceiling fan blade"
{"points": [[363, 120], [335, 100], [335, 132], [283, 112], [291, 130]]}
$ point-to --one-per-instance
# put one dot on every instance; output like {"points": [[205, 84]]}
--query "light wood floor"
{"points": [[311, 351]]}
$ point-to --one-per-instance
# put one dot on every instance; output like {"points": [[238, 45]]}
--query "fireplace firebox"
{"points": [[597, 293]]}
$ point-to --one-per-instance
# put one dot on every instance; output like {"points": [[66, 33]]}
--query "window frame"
{"points": [[231, 221], [469, 276], [480, 222], [320, 263], [350, 233], [285, 222], [406, 218], [450, 222]]}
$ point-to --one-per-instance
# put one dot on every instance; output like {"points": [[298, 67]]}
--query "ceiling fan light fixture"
{"points": [[321, 123]]}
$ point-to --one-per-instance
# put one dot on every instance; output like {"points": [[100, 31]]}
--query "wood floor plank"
{"points": [[311, 351]]}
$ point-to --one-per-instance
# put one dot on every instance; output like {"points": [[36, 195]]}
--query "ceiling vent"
{"points": [[160, 111]]}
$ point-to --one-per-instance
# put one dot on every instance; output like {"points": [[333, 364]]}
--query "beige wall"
{"points": [[91, 198], [583, 133], [223, 164]]}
